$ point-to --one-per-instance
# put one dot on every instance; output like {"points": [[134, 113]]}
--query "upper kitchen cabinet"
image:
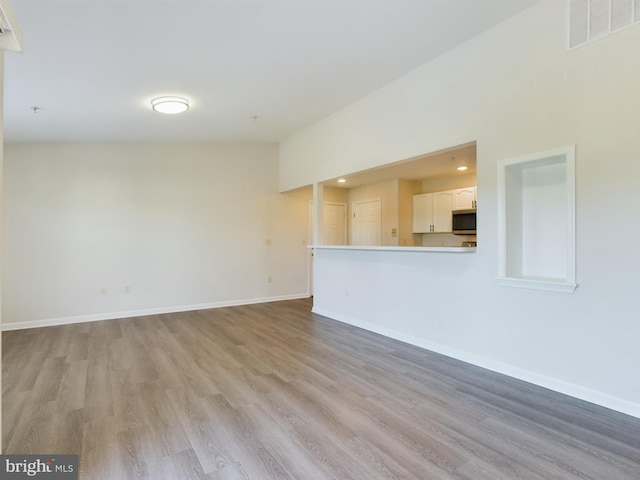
{"points": [[423, 213], [465, 198], [432, 212]]}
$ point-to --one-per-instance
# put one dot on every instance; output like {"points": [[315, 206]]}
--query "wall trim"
{"points": [[560, 386], [50, 322]]}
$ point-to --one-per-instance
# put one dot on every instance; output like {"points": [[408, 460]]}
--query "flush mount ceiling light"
{"points": [[170, 104], [461, 167]]}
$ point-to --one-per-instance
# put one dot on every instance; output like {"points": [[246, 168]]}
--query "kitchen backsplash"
{"points": [[445, 239]]}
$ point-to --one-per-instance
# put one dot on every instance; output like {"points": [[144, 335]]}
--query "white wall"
{"points": [[185, 225], [515, 90], [1, 203], [448, 183]]}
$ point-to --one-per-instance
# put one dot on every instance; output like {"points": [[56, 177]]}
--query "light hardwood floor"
{"points": [[272, 391]]}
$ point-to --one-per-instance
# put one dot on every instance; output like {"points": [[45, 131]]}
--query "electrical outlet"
{"points": [[269, 279], [103, 291], [127, 289], [268, 242]]}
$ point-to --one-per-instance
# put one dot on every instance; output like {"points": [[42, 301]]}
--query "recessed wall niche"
{"points": [[536, 221]]}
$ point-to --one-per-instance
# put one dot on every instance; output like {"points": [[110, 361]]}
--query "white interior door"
{"points": [[366, 223], [335, 223], [334, 226]]}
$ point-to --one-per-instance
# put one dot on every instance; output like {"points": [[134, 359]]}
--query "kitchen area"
{"points": [[430, 201]]}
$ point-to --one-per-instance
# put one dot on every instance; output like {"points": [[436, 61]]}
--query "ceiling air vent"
{"points": [[10, 33], [590, 20]]}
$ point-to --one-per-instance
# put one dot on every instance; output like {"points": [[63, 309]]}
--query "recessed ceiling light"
{"points": [[170, 104], [462, 168], [341, 180]]}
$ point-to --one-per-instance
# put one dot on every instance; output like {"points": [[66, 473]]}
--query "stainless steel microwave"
{"points": [[463, 222]]}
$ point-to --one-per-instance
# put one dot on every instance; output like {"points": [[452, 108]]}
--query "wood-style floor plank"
{"points": [[272, 391]]}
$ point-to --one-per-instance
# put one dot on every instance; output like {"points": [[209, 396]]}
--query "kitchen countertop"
{"points": [[397, 249]]}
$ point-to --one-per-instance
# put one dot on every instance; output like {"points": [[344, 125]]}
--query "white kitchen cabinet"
{"points": [[423, 213], [465, 198], [432, 212]]}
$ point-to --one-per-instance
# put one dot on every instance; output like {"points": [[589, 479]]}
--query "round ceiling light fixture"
{"points": [[170, 105]]}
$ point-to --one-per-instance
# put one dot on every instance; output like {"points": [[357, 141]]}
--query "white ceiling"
{"points": [[433, 165], [92, 66]]}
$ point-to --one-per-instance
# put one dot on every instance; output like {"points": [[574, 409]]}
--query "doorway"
{"points": [[334, 227], [366, 223]]}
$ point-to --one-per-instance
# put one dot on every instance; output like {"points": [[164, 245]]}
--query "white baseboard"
{"points": [[49, 322], [560, 386]]}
